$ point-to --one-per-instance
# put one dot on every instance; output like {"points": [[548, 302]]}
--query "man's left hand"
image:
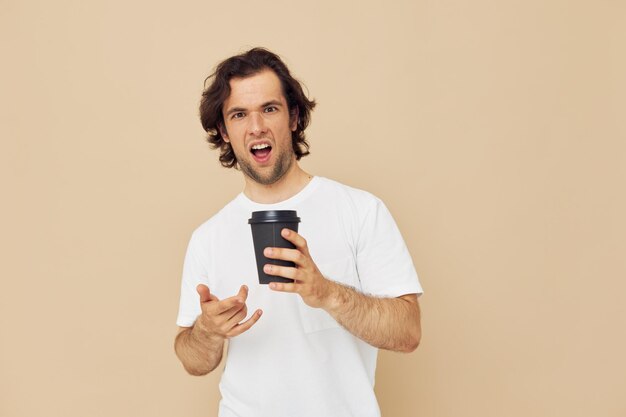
{"points": [[309, 282]]}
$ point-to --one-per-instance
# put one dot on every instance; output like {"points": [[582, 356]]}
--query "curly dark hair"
{"points": [[244, 65]]}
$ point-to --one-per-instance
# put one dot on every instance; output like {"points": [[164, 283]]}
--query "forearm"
{"points": [[199, 352], [386, 323]]}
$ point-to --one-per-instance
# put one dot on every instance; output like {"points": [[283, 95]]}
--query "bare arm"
{"points": [[200, 347], [198, 351], [386, 323]]}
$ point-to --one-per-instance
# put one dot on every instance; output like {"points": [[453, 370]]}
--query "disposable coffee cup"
{"points": [[266, 226]]}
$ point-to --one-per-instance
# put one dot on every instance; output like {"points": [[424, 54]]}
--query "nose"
{"points": [[257, 124]]}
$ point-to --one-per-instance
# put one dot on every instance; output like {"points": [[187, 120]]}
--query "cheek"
{"points": [[233, 132]]}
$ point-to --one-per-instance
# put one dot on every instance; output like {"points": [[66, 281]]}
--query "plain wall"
{"points": [[494, 131]]}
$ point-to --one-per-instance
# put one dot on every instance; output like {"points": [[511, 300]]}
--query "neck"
{"points": [[289, 185]]}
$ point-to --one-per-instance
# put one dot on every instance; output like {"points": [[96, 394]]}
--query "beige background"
{"points": [[494, 131]]}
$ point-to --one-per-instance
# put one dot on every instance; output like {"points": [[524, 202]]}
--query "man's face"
{"points": [[258, 127]]}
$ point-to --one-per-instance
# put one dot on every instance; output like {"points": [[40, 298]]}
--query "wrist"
{"points": [[336, 299], [203, 334]]}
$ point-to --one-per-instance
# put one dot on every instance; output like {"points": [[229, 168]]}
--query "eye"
{"points": [[237, 115], [270, 109]]}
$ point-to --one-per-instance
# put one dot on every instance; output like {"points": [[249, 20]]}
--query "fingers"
{"points": [[283, 287], [243, 293], [281, 271], [296, 239], [223, 317], [300, 256], [226, 304], [242, 327], [205, 293], [285, 254], [239, 312]]}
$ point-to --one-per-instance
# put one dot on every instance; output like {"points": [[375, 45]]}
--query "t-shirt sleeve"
{"points": [[194, 273], [384, 264]]}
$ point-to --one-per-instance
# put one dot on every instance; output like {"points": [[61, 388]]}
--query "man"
{"points": [[313, 353]]}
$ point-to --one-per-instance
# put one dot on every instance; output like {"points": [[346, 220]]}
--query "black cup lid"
{"points": [[274, 216]]}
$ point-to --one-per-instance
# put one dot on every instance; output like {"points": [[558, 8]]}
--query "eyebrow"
{"points": [[267, 103]]}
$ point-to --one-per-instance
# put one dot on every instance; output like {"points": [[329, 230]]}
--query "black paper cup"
{"points": [[266, 227]]}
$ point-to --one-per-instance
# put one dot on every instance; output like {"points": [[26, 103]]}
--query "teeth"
{"points": [[261, 146]]}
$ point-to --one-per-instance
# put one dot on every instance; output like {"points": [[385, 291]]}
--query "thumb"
{"points": [[243, 292], [205, 294]]}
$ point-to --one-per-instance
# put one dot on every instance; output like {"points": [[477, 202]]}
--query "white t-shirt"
{"points": [[297, 360]]}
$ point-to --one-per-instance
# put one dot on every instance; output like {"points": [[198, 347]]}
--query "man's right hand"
{"points": [[222, 318]]}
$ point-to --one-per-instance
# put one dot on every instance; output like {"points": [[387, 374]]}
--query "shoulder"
{"points": [[356, 209], [355, 199]]}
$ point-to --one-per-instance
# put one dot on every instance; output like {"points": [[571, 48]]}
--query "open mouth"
{"points": [[261, 151]]}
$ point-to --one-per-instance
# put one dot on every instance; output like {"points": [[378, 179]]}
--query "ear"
{"points": [[223, 132], [293, 118]]}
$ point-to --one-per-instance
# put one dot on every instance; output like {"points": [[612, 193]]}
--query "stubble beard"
{"points": [[282, 165]]}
